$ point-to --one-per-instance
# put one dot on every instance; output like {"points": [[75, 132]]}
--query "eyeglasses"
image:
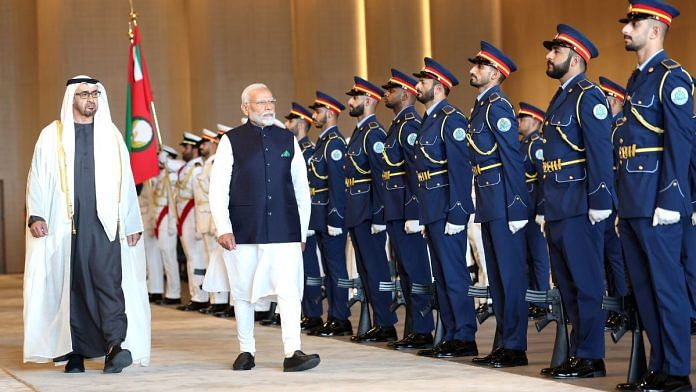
{"points": [[267, 102], [87, 94]]}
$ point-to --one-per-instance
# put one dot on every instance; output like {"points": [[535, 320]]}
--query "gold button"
{"points": [[434, 115], [481, 103], [651, 69], [628, 97], [438, 184], [517, 197], [620, 140], [547, 123], [570, 90], [624, 118], [640, 167], [570, 177]]}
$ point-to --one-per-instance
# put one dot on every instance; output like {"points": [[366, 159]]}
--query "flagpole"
{"points": [[134, 22]]}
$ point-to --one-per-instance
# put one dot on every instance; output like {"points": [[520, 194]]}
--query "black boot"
{"points": [[76, 364], [244, 361], [117, 359]]}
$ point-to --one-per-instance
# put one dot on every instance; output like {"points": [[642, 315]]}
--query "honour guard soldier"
{"points": [[205, 226], [327, 188], [501, 202], [299, 122], [192, 242], [153, 258], [530, 119], [617, 285], [401, 207], [444, 184], [578, 197], [655, 140], [165, 223], [365, 207], [689, 241]]}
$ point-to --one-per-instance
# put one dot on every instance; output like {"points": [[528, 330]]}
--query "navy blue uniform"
{"points": [[501, 197], [444, 192], [401, 204], [532, 152], [689, 241], [578, 177], [655, 138], [311, 300], [326, 182], [364, 207]]}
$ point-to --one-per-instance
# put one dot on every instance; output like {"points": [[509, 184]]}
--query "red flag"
{"points": [[140, 124]]}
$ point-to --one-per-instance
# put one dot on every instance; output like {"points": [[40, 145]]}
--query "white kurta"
{"points": [[260, 270], [47, 259]]}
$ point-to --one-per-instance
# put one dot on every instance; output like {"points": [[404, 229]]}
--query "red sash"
{"points": [[187, 208], [161, 216]]}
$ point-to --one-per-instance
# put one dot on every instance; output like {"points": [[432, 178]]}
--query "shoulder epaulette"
{"points": [[670, 64], [335, 136], [373, 125], [534, 138], [585, 84], [409, 116], [494, 97], [448, 109]]}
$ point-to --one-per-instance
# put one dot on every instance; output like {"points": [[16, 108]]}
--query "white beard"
{"points": [[265, 119]]}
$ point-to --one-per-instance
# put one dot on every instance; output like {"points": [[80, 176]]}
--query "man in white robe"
{"points": [[85, 293], [259, 199]]}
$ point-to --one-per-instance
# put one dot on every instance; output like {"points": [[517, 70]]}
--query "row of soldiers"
{"points": [[605, 173]]}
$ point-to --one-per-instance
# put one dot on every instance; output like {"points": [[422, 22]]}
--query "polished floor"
{"points": [[192, 352]]}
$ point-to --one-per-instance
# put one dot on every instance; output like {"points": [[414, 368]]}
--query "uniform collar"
{"points": [[364, 120], [660, 55], [327, 131], [404, 111], [573, 80], [437, 106], [490, 90]]}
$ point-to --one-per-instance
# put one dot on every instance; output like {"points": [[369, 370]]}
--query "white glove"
{"points": [[451, 229], [516, 226], [376, 229], [597, 216], [539, 219], [693, 219], [334, 231], [310, 233], [665, 217], [412, 226]]}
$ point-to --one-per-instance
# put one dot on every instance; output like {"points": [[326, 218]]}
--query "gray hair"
{"points": [[249, 89]]}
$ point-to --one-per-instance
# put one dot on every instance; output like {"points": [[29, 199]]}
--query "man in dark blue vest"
{"points": [[444, 192], [401, 208], [655, 138], [327, 187], [615, 269], [259, 199], [365, 208], [579, 196], [530, 119], [298, 122], [501, 202]]}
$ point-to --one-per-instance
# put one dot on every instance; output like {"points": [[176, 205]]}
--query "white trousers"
{"points": [[195, 259], [289, 309], [153, 262], [166, 243]]}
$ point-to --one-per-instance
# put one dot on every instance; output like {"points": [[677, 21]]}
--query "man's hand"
{"points": [[693, 219], [412, 226], [302, 245], [310, 233], [133, 239], [539, 219], [227, 241], [39, 229]]}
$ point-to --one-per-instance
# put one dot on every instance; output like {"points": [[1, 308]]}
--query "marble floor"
{"points": [[193, 352]]}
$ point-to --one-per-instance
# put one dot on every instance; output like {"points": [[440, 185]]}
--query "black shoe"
{"points": [[337, 328], [665, 382], [117, 359], [488, 359], [582, 368], [376, 334], [633, 386], [300, 361], [168, 301], [458, 348], [226, 313], [693, 327], [549, 371], [258, 316], [192, 306], [316, 331], [310, 323], [213, 308], [536, 312], [273, 320], [244, 361], [510, 358], [414, 340], [154, 297], [76, 364]]}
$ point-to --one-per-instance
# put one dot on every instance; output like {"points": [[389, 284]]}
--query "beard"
{"points": [[389, 104], [426, 96], [357, 111], [632, 45], [266, 119], [557, 71], [478, 83]]}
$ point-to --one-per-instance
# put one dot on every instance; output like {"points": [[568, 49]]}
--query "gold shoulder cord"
{"points": [[474, 146], [64, 175]]}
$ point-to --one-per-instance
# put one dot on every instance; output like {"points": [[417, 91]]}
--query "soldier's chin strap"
{"points": [[81, 80]]}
